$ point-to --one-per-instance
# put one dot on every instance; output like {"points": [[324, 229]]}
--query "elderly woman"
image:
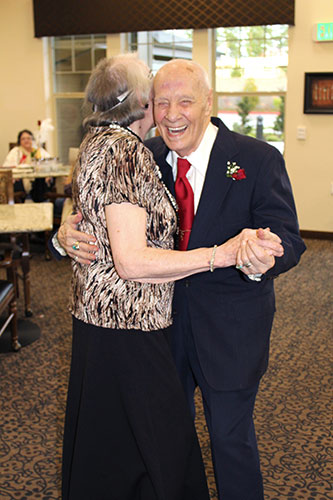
{"points": [[22, 155], [128, 431]]}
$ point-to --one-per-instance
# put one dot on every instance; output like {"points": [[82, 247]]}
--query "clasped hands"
{"points": [[253, 251]]}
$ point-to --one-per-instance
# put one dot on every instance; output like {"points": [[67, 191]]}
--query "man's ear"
{"points": [[210, 102]]}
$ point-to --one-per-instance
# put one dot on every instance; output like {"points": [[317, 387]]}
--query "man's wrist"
{"points": [[255, 277], [57, 245]]}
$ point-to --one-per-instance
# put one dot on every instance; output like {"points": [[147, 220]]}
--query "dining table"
{"points": [[26, 217], [43, 169], [39, 171]]}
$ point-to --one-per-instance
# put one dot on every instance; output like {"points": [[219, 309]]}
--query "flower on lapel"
{"points": [[235, 172]]}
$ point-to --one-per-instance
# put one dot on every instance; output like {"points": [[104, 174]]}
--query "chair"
{"points": [[18, 245], [67, 189], [8, 301], [68, 205], [67, 194], [6, 186]]}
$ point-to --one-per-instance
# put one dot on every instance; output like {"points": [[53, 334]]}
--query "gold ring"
{"points": [[76, 245]]}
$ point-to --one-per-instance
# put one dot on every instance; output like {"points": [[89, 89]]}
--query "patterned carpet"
{"points": [[293, 410]]}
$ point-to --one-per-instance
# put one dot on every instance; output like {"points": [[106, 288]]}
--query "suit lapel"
{"points": [[216, 183]]}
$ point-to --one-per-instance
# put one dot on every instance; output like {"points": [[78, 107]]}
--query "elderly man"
{"points": [[224, 182]]}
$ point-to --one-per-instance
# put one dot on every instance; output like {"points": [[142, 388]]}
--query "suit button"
{"points": [[187, 283]]}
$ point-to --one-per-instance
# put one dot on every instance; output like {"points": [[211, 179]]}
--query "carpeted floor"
{"points": [[293, 410]]}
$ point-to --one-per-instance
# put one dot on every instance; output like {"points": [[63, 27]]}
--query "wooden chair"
{"points": [[6, 186], [18, 245], [16, 196], [8, 301]]}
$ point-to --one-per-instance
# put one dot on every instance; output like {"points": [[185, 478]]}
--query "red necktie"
{"points": [[185, 200]]}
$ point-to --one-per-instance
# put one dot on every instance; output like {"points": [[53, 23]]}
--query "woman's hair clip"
{"points": [[123, 96]]}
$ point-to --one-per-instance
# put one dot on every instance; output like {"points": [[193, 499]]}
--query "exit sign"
{"points": [[323, 32]]}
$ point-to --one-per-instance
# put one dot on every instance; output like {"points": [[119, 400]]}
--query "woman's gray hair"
{"points": [[119, 89]]}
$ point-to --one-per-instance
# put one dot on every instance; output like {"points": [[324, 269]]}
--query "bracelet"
{"points": [[211, 262]]}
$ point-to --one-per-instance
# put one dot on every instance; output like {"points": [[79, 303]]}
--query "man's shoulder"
{"points": [[156, 144]]}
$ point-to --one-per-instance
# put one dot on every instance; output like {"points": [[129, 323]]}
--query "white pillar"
{"points": [[202, 52]]}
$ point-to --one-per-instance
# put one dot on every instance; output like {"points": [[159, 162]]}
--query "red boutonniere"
{"points": [[235, 172]]}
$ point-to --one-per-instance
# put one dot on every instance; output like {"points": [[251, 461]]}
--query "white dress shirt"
{"points": [[199, 162]]}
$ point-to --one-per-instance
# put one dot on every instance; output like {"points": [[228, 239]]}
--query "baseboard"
{"points": [[317, 235]]}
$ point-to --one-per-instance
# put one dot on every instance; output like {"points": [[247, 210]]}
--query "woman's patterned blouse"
{"points": [[114, 166]]}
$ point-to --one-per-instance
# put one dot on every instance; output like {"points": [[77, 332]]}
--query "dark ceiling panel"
{"points": [[75, 17]]}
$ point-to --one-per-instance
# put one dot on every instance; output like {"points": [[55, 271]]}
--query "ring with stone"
{"points": [[76, 245], [239, 266], [247, 264]]}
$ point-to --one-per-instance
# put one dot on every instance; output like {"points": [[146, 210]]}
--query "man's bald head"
{"points": [[183, 103]]}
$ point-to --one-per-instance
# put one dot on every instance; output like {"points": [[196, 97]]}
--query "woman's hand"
{"points": [[78, 245]]}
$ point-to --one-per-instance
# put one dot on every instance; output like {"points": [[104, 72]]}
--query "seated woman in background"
{"points": [[22, 155]]}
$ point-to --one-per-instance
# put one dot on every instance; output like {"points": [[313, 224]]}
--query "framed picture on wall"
{"points": [[318, 93]]}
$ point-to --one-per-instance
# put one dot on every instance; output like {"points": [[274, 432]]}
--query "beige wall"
{"points": [[310, 161], [22, 95], [24, 100]]}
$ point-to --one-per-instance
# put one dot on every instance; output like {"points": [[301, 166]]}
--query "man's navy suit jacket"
{"points": [[231, 316]]}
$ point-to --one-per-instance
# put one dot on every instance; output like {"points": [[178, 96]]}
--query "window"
{"points": [[251, 80], [158, 47], [73, 58]]}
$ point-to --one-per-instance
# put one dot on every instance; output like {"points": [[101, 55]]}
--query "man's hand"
{"points": [[68, 235], [264, 238]]}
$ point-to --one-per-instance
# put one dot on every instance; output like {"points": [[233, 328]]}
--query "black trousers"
{"points": [[229, 417], [128, 431]]}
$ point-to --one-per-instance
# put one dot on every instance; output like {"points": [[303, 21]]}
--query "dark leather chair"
{"points": [[8, 301]]}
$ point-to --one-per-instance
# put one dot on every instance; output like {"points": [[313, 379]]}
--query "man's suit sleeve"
{"points": [[56, 252], [273, 206]]}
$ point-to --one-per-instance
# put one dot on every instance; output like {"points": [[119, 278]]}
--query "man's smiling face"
{"points": [[182, 106]]}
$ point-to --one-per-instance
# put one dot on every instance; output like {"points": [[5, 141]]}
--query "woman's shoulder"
{"points": [[15, 149], [11, 156], [126, 141], [109, 135]]}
